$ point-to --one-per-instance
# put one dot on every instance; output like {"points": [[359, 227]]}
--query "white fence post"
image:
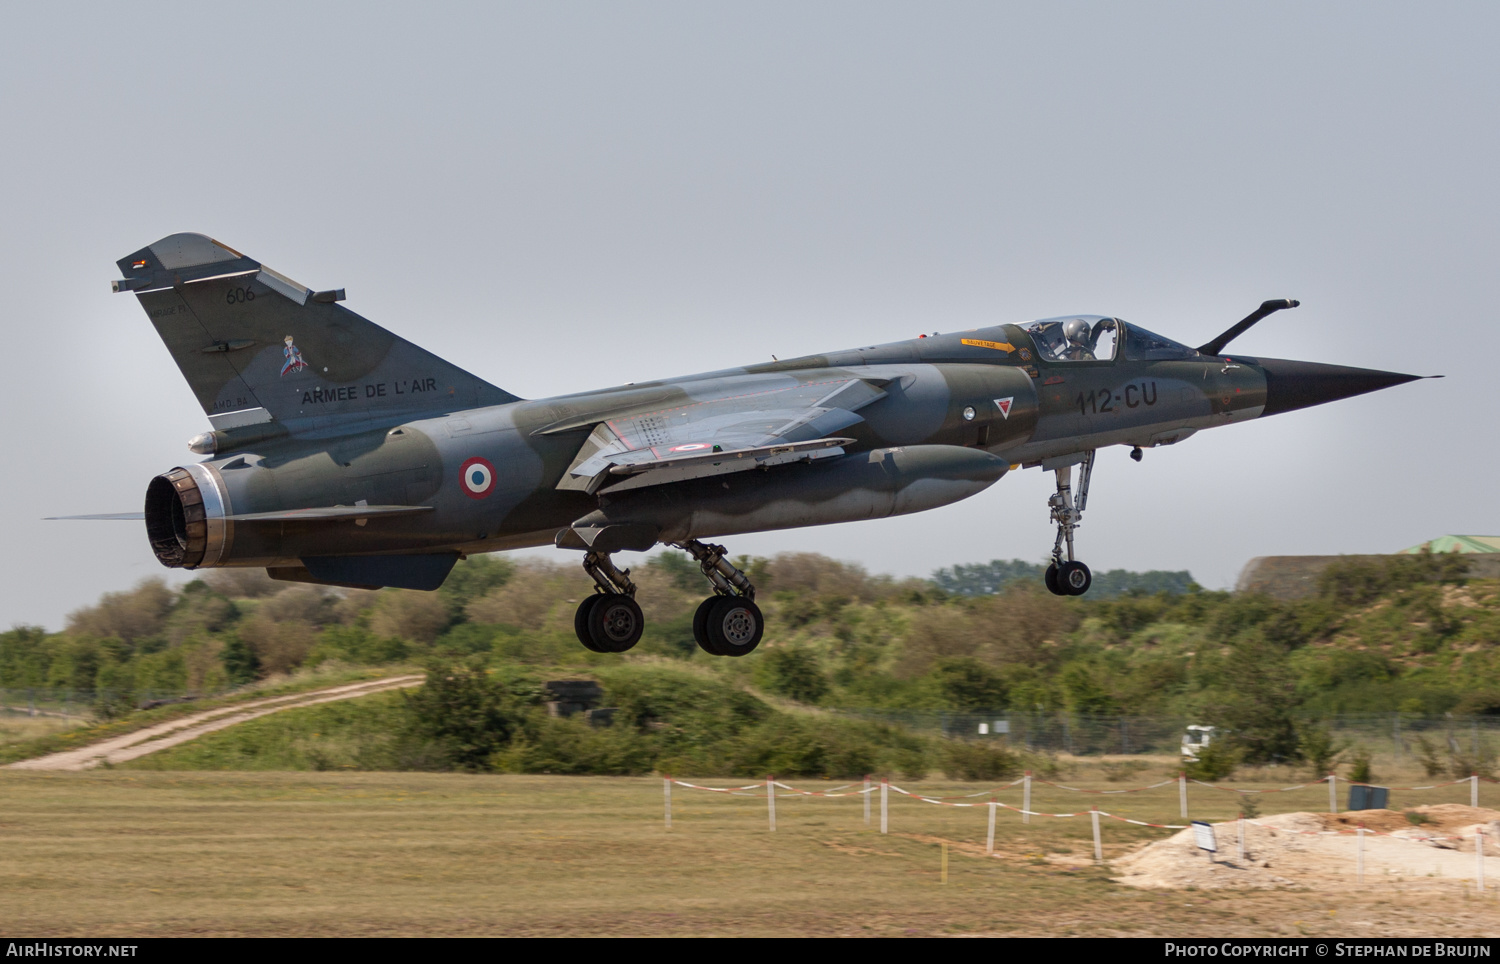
{"points": [[1026, 800], [884, 822], [1479, 860], [771, 800], [1474, 791], [866, 795], [1333, 793], [989, 840], [1098, 850], [666, 789], [1182, 791], [1242, 835], [1359, 870]]}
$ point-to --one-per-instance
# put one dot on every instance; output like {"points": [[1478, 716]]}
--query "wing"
{"points": [[763, 427]]}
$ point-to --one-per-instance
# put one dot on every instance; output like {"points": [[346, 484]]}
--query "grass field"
{"points": [[144, 853]]}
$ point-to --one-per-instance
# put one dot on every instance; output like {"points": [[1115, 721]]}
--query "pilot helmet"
{"points": [[1076, 331]]}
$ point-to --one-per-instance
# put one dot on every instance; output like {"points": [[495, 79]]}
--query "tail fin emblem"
{"points": [[294, 362]]}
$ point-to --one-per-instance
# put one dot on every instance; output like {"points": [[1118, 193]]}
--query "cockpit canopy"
{"points": [[1076, 338]]}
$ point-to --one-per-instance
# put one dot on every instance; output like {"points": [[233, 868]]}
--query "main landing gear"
{"points": [[727, 623], [1070, 577], [609, 621]]}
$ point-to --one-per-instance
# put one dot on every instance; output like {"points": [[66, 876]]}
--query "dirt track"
{"points": [[141, 742]]}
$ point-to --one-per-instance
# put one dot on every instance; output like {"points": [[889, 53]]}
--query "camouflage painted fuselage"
{"points": [[1056, 410], [334, 438]]}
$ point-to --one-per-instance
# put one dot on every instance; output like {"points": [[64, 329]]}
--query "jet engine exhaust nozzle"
{"points": [[185, 518]]}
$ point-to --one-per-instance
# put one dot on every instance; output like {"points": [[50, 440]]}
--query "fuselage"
{"points": [[993, 390]]}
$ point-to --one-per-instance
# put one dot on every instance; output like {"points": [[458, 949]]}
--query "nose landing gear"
{"points": [[1069, 577], [727, 623]]}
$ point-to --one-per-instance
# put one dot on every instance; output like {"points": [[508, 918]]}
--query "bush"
{"points": [[130, 616], [240, 662], [1456, 763], [355, 644], [1360, 770], [1431, 758], [968, 685], [1116, 771], [979, 761], [1319, 749], [792, 672], [462, 713], [548, 745], [1358, 582], [1215, 762]]}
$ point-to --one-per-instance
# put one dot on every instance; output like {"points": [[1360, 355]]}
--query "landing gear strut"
{"points": [[727, 623], [1069, 577], [609, 621]]}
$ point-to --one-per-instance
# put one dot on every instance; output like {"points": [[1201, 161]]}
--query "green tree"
{"points": [[1319, 748], [966, 684], [1255, 699], [463, 713], [241, 664]]}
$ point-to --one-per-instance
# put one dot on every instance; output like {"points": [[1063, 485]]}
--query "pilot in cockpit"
{"points": [[1078, 340]]}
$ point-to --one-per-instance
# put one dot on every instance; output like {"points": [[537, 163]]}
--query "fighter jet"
{"points": [[343, 455]]}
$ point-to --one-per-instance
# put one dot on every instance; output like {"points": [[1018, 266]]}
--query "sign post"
{"points": [[1203, 836]]}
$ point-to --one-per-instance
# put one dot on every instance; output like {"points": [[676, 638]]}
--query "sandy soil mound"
{"points": [[1297, 849]]}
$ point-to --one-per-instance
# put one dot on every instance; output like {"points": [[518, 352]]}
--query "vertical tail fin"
{"points": [[255, 345]]}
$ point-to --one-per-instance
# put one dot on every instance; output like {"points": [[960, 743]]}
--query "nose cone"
{"points": [[1291, 385]]}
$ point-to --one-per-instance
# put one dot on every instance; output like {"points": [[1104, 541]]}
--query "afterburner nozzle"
{"points": [[1291, 385]]}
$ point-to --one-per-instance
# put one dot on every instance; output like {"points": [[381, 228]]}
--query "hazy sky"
{"points": [[565, 196]]}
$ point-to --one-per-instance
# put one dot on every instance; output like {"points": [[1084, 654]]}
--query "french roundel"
{"points": [[477, 477]]}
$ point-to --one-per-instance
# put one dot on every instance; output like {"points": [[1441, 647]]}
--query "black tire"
{"points": [[1075, 578], [700, 627], [615, 623], [1053, 586], [735, 625], [581, 623]]}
